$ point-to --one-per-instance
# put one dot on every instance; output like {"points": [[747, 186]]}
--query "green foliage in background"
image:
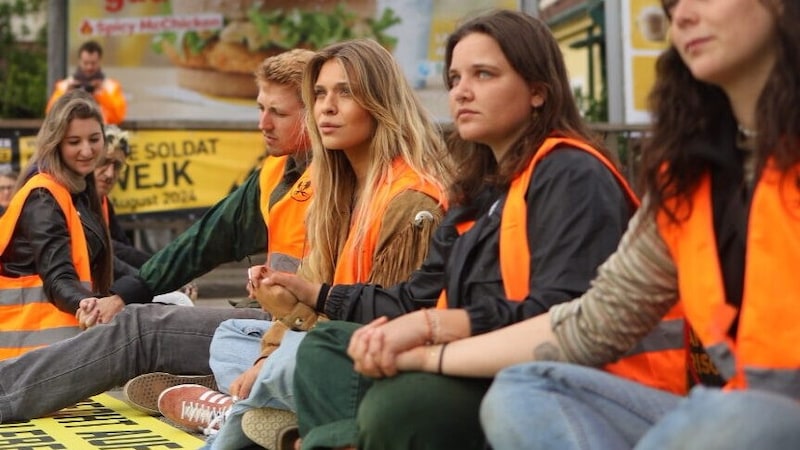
{"points": [[23, 62], [592, 109]]}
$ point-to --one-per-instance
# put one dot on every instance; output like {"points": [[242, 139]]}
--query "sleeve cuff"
{"points": [[334, 306], [132, 289]]}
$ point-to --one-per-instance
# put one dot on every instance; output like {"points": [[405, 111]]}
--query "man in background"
{"points": [[89, 76]]}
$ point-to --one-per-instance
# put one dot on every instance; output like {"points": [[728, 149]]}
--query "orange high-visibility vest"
{"points": [[355, 263], [105, 209], [285, 220], [765, 353], [659, 360], [109, 96], [27, 318]]}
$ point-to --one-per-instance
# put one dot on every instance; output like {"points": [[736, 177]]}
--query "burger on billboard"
{"points": [[222, 62]]}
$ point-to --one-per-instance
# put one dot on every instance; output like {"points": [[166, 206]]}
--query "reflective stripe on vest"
{"points": [[765, 354], [355, 264], [659, 359], [285, 219], [27, 319]]}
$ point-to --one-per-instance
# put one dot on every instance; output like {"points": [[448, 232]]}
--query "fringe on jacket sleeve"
{"points": [[406, 231]]}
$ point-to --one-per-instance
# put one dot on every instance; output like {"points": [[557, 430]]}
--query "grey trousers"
{"points": [[141, 339]]}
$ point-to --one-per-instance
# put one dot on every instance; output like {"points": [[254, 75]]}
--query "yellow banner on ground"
{"points": [[102, 422], [172, 169]]}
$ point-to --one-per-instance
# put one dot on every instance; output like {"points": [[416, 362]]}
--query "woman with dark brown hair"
{"points": [[536, 207], [719, 230]]}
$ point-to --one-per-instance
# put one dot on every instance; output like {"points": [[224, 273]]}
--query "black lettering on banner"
{"points": [[87, 414], [187, 148], [127, 439], [26, 436], [191, 148], [177, 173], [150, 175], [178, 197], [133, 204]]}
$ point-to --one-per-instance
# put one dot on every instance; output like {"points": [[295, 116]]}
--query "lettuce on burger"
{"points": [[222, 62]]}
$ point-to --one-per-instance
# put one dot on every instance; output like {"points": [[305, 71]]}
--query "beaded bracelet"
{"points": [[434, 327]]}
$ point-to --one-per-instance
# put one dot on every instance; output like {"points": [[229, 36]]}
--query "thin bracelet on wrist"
{"points": [[441, 358], [427, 315]]}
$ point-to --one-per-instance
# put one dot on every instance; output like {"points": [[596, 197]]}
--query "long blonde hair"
{"points": [[403, 129]]}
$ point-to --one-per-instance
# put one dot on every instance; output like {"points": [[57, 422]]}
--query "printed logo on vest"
{"points": [[302, 191]]}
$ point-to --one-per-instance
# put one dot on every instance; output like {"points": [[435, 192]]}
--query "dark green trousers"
{"points": [[337, 407]]}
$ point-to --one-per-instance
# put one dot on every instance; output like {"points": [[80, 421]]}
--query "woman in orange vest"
{"points": [[536, 206], [379, 165], [719, 229], [55, 250]]}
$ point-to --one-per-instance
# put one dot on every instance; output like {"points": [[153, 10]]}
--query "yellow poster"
{"points": [[171, 170], [101, 422], [6, 150], [646, 27]]}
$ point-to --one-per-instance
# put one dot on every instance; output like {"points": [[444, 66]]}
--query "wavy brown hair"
{"points": [[533, 52], [686, 110], [403, 129]]}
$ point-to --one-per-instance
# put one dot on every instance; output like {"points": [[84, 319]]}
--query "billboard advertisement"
{"points": [[194, 59]]}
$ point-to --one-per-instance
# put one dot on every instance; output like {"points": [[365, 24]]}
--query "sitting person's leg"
{"points": [[422, 411], [273, 388], [556, 405], [327, 390], [140, 339], [235, 348], [714, 420], [243, 335]]}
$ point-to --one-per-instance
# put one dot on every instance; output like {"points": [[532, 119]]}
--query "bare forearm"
{"points": [[486, 354]]}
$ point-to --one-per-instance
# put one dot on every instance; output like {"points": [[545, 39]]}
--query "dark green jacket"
{"points": [[231, 230]]}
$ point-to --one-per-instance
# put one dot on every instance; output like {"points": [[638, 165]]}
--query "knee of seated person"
{"points": [[326, 338], [544, 374], [494, 406], [419, 410], [383, 415]]}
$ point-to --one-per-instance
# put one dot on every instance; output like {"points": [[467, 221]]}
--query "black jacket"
{"points": [[123, 247], [577, 213], [41, 245]]}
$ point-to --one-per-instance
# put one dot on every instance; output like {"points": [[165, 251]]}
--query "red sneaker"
{"points": [[195, 407]]}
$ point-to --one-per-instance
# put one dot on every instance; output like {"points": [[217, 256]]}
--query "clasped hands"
{"points": [[93, 310], [279, 284], [385, 347]]}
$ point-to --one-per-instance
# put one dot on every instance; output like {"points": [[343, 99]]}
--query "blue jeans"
{"points": [[236, 345], [584, 408], [715, 420], [141, 339], [563, 406]]}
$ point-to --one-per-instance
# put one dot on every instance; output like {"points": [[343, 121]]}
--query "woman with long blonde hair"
{"points": [[379, 171], [348, 175]]}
